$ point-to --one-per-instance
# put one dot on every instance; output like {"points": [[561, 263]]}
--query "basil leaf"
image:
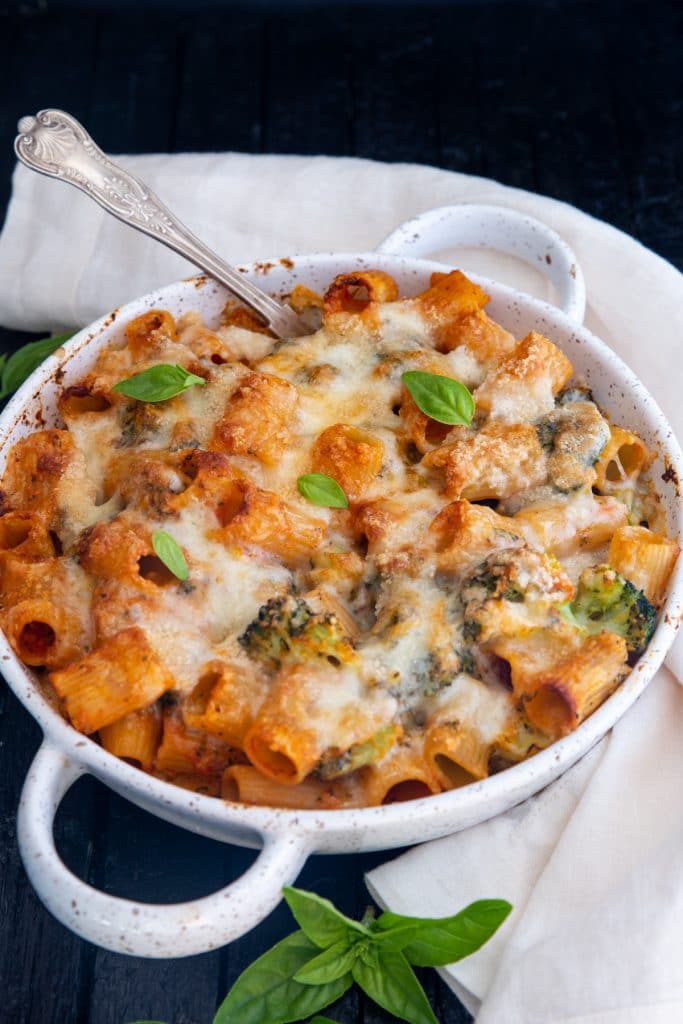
{"points": [[441, 398], [332, 963], [21, 364], [320, 489], [170, 553], [320, 920], [158, 383], [443, 940], [266, 992], [397, 937], [394, 986]]}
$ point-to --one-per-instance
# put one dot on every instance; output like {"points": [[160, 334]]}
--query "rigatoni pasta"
{"points": [[293, 581]]}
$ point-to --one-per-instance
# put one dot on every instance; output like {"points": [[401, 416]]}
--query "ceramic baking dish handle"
{"points": [[126, 926], [495, 227]]}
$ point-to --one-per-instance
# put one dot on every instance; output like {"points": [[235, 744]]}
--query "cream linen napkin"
{"points": [[591, 865]]}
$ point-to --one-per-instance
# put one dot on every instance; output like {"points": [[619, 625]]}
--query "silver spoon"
{"points": [[56, 144]]}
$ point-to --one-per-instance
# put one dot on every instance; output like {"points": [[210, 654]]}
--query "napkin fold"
{"points": [[591, 864]]}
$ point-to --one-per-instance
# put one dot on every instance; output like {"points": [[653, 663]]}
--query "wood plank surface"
{"points": [[577, 100]]}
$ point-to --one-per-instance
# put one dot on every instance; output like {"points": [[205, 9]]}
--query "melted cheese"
{"points": [[405, 611]]}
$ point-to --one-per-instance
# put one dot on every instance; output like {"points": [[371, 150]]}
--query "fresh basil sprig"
{"points": [[15, 369], [158, 383], [312, 968], [266, 993], [170, 553], [320, 489], [441, 398], [443, 940]]}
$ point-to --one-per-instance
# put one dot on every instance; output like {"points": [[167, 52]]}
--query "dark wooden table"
{"points": [[581, 101]]}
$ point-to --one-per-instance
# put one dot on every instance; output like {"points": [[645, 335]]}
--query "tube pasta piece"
{"points": [[43, 634], [148, 481], [25, 534], [245, 784], [564, 526], [523, 386], [356, 293], [457, 754], [576, 687], [206, 785], [644, 558], [208, 478], [114, 551], [258, 417], [302, 298], [463, 721], [135, 737], [25, 578], [207, 346], [35, 468], [46, 473], [150, 332], [463, 535], [340, 571], [526, 658], [353, 457], [397, 530], [402, 774], [225, 700], [476, 332], [449, 298], [84, 399], [494, 462], [622, 460], [122, 675], [44, 609], [250, 515], [235, 314], [190, 752], [424, 432], [311, 709]]}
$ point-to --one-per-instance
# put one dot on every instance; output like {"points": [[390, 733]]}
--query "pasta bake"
{"points": [[370, 564]]}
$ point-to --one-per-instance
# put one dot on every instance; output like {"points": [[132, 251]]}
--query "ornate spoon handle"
{"points": [[56, 144]]}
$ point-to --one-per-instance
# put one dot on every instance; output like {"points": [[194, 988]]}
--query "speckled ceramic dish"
{"points": [[288, 837]]}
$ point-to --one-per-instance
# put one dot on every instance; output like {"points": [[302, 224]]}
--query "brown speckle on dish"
{"points": [[671, 476]]}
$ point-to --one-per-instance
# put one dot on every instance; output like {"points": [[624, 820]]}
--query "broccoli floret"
{"points": [[604, 600], [573, 434], [360, 754], [511, 590], [287, 629]]}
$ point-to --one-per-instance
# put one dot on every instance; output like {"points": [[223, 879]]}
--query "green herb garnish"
{"points": [[15, 369], [441, 398], [312, 968], [320, 489], [158, 383], [170, 553]]}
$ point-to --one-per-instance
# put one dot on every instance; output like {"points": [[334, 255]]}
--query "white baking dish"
{"points": [[288, 837]]}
